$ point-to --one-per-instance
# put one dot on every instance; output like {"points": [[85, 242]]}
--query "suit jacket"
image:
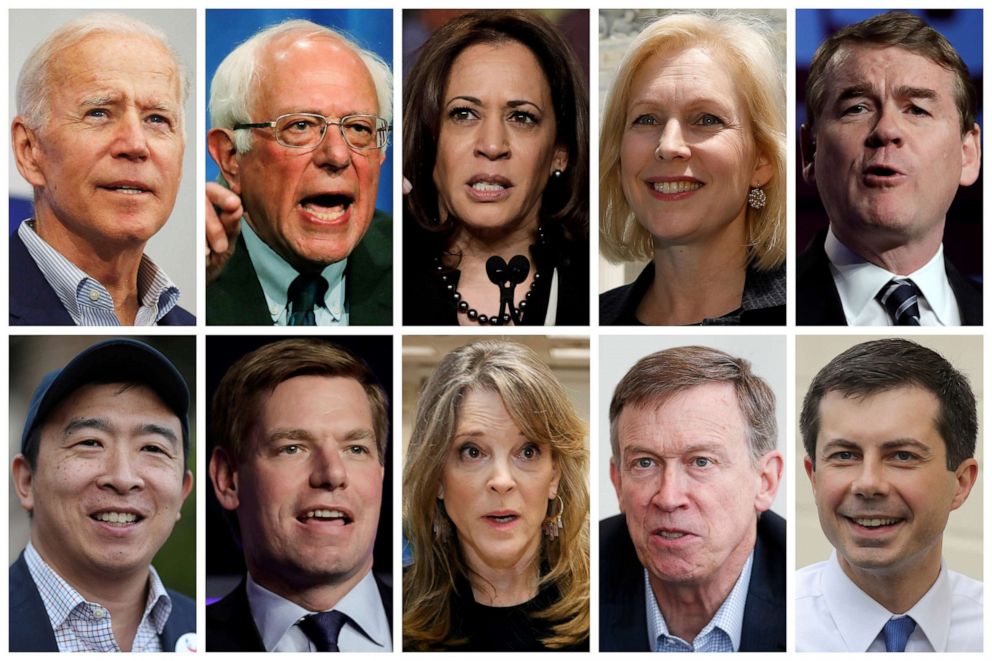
{"points": [[31, 630], [236, 298], [818, 303], [231, 628], [623, 623], [33, 302]]}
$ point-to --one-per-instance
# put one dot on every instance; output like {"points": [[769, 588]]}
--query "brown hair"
{"points": [[254, 376], [892, 29]]}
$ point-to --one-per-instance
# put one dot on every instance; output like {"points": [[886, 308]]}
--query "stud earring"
{"points": [[757, 199], [557, 173]]}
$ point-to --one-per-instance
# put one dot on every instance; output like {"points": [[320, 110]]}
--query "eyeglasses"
{"points": [[306, 131]]}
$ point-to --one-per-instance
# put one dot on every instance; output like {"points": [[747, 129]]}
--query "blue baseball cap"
{"points": [[112, 361]]}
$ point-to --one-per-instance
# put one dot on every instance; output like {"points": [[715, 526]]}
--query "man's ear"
{"points": [[224, 476], [27, 152], [971, 156], [220, 144], [23, 481], [965, 475], [769, 475], [807, 147]]}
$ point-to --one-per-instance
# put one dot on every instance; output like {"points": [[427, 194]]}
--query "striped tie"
{"points": [[900, 296]]}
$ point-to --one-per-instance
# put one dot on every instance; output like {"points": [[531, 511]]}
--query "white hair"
{"points": [[235, 79], [33, 83]]}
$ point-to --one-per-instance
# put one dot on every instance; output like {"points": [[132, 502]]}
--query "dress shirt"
{"points": [[86, 300], [721, 634], [834, 615], [276, 275], [277, 620], [858, 281], [82, 626]]}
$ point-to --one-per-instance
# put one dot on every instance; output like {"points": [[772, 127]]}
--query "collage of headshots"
{"points": [[594, 341]]}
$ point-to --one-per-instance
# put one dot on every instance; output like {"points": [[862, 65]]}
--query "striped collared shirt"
{"points": [[82, 626], [86, 300]]}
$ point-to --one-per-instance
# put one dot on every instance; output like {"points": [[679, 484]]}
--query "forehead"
{"points": [[307, 399], [316, 73], [482, 409], [899, 413], [886, 67], [107, 62], [689, 72], [105, 399], [707, 414], [508, 68]]}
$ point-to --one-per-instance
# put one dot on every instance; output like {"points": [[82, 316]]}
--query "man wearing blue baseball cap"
{"points": [[102, 474]]}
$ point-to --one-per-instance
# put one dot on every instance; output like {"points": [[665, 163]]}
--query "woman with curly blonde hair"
{"points": [[496, 508]]}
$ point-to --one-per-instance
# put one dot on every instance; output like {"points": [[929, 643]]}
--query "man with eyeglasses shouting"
{"points": [[301, 117]]}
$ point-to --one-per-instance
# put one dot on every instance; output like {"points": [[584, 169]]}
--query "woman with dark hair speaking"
{"points": [[495, 144]]}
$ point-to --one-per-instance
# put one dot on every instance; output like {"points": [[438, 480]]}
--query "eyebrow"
{"points": [[102, 424], [708, 448], [896, 443], [357, 434], [859, 90], [512, 103]]}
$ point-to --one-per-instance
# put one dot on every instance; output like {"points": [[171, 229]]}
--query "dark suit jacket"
{"points": [[236, 298], [31, 630], [33, 302], [623, 623], [231, 628], [818, 303]]}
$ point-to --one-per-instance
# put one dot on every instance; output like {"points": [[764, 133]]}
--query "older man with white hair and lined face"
{"points": [[99, 136], [301, 118]]}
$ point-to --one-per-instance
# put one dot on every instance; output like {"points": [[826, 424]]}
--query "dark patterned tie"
{"points": [[896, 633], [323, 629], [305, 292], [900, 297]]}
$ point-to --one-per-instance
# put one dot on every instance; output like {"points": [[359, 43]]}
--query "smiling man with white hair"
{"points": [[99, 136]]}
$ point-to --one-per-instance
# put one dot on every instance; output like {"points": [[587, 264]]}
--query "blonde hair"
{"points": [[538, 404], [759, 71]]}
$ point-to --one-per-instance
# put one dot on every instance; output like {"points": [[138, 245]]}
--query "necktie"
{"points": [[896, 632], [306, 291], [899, 296], [323, 629]]}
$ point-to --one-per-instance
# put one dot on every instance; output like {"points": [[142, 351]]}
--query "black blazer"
{"points": [[31, 630], [623, 623], [33, 302], [231, 628], [818, 303]]}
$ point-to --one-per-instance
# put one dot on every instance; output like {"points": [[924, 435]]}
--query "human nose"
{"points": [[671, 142], [333, 153], [491, 139], [887, 129], [501, 478], [870, 481], [671, 494], [119, 472], [130, 140], [328, 470]]}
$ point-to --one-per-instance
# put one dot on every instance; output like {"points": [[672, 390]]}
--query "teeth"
{"points": [[130, 190], [670, 187], [875, 523], [486, 186], [117, 517], [325, 514], [332, 214], [672, 535]]}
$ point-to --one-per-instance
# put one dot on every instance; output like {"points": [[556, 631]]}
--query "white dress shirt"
{"points": [[834, 615], [277, 620], [859, 281]]}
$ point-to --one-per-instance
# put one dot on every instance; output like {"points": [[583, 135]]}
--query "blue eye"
{"points": [[709, 120], [701, 462]]}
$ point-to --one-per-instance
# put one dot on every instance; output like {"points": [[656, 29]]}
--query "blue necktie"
{"points": [[896, 632], [900, 296], [306, 291], [323, 629]]}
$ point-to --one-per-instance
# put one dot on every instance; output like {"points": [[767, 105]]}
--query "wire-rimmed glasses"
{"points": [[302, 130]]}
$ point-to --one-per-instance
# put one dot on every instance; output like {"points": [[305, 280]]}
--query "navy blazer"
{"points": [[231, 628], [31, 630], [33, 302], [818, 303], [623, 625]]}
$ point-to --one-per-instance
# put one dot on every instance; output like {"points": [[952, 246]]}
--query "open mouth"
{"points": [[874, 522], [673, 187], [127, 189], [117, 518], [327, 207], [502, 518], [328, 515]]}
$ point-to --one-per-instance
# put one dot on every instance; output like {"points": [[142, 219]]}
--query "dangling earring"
{"points": [[552, 522], [757, 198]]}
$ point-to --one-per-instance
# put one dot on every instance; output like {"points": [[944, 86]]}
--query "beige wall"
{"points": [[963, 535]]}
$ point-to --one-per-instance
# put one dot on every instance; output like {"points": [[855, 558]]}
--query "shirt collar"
{"points": [[729, 618], [275, 615], [276, 275], [85, 299], [859, 280], [860, 618], [61, 599]]}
